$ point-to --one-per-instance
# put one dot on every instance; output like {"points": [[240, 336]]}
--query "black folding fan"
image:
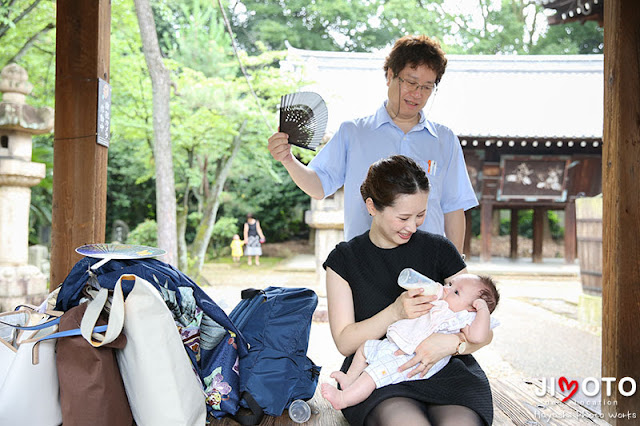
{"points": [[303, 116]]}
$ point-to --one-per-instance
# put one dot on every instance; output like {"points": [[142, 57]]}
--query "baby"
{"points": [[466, 305]]}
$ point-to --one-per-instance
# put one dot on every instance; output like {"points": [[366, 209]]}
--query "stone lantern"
{"points": [[19, 281], [326, 217]]}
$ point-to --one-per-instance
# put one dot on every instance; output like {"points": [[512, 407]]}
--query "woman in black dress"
{"points": [[364, 299], [253, 239]]}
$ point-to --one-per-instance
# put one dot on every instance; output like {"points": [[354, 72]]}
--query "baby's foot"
{"points": [[343, 380], [333, 395]]}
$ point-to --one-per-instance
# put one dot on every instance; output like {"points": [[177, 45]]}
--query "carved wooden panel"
{"points": [[533, 178]]}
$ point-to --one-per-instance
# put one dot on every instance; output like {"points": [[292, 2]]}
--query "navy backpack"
{"points": [[210, 339], [276, 323]]}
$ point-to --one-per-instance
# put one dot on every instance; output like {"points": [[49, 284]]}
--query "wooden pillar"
{"points": [[466, 248], [513, 234], [538, 233], [570, 231], [621, 205], [486, 222], [83, 31]]}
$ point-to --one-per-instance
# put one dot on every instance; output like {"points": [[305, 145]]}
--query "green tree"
{"points": [[320, 25], [130, 178]]}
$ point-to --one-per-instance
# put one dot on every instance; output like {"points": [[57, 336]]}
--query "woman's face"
{"points": [[394, 225], [404, 102]]}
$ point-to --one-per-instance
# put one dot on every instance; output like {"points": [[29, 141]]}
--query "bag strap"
{"points": [[257, 413], [116, 316], [36, 309], [35, 357], [248, 293], [54, 320]]}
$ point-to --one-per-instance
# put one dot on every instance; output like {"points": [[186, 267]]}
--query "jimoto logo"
{"points": [[590, 386]]}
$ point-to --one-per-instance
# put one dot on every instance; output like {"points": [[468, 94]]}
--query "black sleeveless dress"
{"points": [[372, 274]]}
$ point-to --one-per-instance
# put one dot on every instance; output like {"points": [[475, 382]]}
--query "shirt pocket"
{"points": [[432, 167]]}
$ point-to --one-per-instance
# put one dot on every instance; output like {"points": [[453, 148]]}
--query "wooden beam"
{"points": [[513, 234], [486, 222], [467, 234], [621, 204], [570, 231], [83, 31]]}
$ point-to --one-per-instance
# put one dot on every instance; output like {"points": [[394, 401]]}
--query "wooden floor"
{"points": [[514, 401], [322, 414]]}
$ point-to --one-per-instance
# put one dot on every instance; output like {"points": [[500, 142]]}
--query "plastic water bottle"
{"points": [[409, 279], [299, 411]]}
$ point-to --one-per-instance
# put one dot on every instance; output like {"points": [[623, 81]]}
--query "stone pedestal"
{"points": [[327, 218], [21, 284], [19, 281]]}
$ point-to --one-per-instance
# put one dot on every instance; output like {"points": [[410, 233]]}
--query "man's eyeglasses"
{"points": [[413, 86]]}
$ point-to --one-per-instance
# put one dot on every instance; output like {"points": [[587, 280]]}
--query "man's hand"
{"points": [[279, 147]]}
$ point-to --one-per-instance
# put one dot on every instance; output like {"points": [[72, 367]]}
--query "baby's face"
{"points": [[461, 292]]}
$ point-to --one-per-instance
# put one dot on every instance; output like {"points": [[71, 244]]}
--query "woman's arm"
{"points": [[246, 233], [348, 334], [259, 229], [434, 348]]}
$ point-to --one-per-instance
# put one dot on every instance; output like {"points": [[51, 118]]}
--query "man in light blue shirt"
{"points": [[345, 160], [413, 68]]}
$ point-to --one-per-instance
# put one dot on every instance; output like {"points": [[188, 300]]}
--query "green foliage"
{"points": [[556, 227], [129, 198], [321, 25], [277, 202], [130, 178], [223, 232], [41, 194], [146, 234], [480, 27], [525, 224], [197, 38], [572, 39]]}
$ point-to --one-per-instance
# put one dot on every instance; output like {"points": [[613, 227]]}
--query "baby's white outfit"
{"points": [[406, 335]]}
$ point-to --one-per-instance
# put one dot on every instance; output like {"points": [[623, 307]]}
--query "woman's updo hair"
{"points": [[390, 177]]}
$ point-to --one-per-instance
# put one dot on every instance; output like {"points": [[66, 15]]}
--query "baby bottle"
{"points": [[409, 278]]}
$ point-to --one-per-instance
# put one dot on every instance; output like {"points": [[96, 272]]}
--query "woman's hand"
{"points": [[279, 147], [412, 304], [431, 350]]}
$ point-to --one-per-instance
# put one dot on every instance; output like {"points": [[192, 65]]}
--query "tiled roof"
{"points": [[479, 95]]}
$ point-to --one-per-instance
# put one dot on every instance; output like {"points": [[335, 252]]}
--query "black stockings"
{"points": [[409, 412]]}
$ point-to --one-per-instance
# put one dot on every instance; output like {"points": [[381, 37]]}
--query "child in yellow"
{"points": [[236, 248]]}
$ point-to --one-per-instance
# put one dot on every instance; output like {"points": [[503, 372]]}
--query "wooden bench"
{"points": [[514, 400]]}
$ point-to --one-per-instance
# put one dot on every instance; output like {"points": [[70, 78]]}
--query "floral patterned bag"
{"points": [[210, 339]]}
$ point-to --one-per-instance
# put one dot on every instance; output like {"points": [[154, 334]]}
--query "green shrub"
{"points": [[146, 234], [223, 232]]}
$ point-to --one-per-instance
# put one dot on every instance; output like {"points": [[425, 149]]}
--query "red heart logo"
{"points": [[562, 382]]}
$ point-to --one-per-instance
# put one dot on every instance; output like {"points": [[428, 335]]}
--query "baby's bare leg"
{"points": [[357, 366], [357, 392]]}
